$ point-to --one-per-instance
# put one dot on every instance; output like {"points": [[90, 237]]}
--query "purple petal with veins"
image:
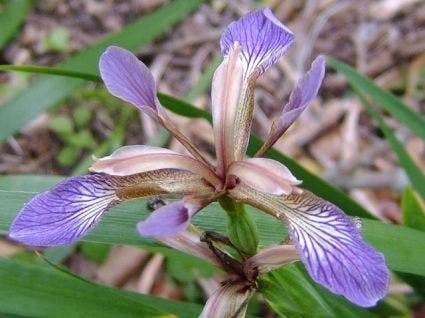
{"points": [[333, 251], [262, 37], [65, 213], [168, 220], [305, 91], [129, 79]]}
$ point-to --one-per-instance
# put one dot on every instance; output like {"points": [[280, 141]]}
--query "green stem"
{"points": [[241, 227]]}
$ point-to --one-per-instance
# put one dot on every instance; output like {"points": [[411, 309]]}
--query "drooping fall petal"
{"points": [[329, 243], [69, 210], [126, 77], [250, 45], [265, 175], [304, 92], [65, 213]]}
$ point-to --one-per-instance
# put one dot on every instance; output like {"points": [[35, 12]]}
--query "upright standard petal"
{"points": [[305, 91], [65, 213], [129, 79], [330, 244], [227, 86], [262, 37], [169, 220], [256, 40]]}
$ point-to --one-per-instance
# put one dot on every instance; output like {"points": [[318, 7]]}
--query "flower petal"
{"points": [[265, 175], [129, 79], [129, 160], [168, 220], [226, 91], [189, 242], [330, 244], [262, 37], [249, 45], [65, 213], [273, 257], [305, 91], [69, 210], [229, 300]]}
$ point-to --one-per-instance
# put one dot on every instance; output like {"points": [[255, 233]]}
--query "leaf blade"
{"points": [[47, 92], [386, 100]]}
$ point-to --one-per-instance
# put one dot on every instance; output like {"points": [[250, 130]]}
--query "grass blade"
{"points": [[51, 293], [415, 174], [12, 17], [47, 92], [386, 100]]}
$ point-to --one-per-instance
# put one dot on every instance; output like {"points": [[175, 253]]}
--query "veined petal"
{"points": [[129, 160], [262, 37], [253, 43], [69, 210], [265, 175], [65, 213], [170, 219], [330, 244], [229, 300], [305, 91], [127, 78]]}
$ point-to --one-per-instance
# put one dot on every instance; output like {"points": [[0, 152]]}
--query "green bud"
{"points": [[241, 228]]}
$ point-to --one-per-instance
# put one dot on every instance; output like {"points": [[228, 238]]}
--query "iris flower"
{"points": [[329, 243]]}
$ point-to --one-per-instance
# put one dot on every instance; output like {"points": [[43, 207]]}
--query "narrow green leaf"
{"points": [[415, 174], [413, 210], [36, 291], [119, 225], [291, 293], [47, 91], [386, 100], [34, 69], [12, 17]]}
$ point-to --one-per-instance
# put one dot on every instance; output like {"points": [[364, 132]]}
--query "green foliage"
{"points": [[415, 174], [291, 293], [47, 92], [386, 100], [38, 291], [413, 210], [12, 16], [95, 251]]}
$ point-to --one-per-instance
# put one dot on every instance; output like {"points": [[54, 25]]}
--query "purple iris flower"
{"points": [[329, 242]]}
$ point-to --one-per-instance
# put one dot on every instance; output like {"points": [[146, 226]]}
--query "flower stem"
{"points": [[241, 228]]}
